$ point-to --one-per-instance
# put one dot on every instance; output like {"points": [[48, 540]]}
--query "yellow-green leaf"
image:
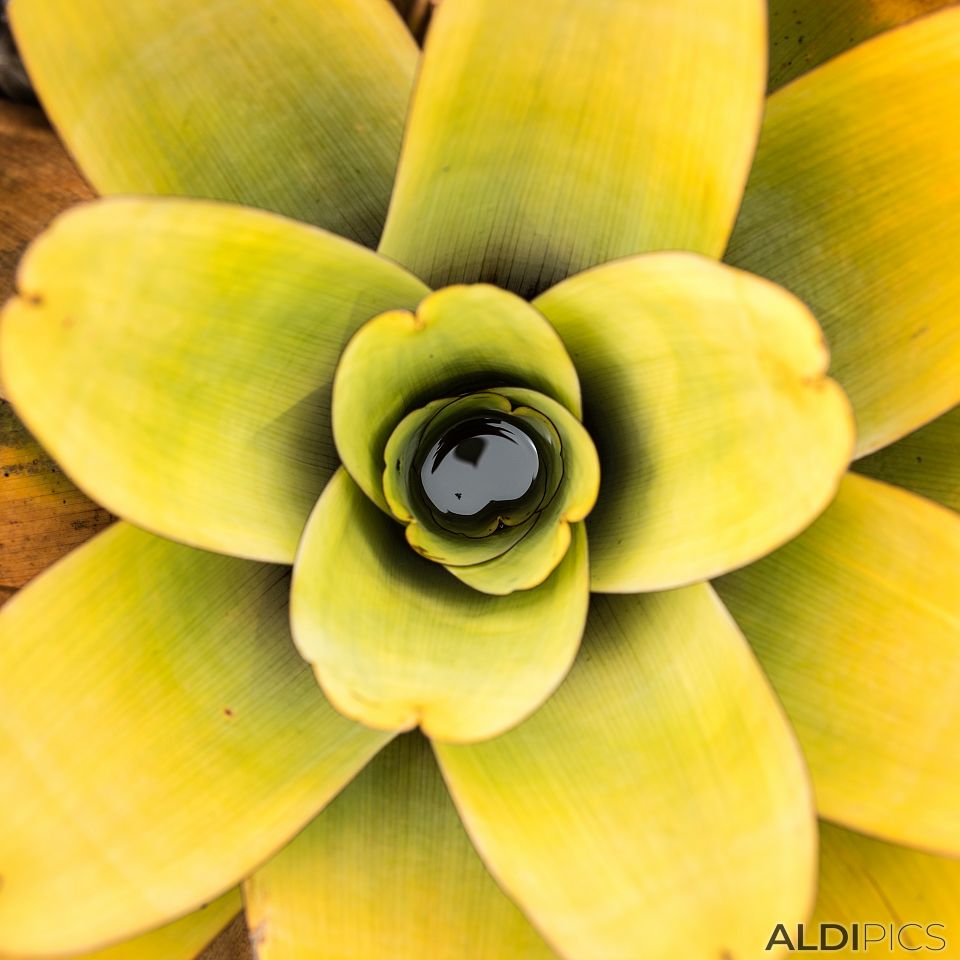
{"points": [[159, 738], [705, 392], [296, 108], [857, 623], [181, 940], [387, 871], [656, 806], [926, 461], [853, 204], [866, 881], [546, 137], [459, 339], [396, 640], [176, 358], [805, 33]]}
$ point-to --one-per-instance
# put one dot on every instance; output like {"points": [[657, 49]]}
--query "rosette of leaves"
{"points": [[436, 405]]}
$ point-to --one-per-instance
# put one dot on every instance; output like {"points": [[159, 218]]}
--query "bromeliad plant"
{"points": [[525, 399]]}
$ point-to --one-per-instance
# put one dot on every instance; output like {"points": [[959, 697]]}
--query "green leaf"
{"points": [[547, 137], [926, 461], [857, 623], [297, 109], [806, 33], [181, 940], [388, 871], [159, 738], [854, 205], [705, 392], [395, 640], [176, 358], [656, 805], [460, 339], [863, 878]]}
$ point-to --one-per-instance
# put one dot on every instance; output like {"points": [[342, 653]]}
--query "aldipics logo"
{"points": [[862, 937]]}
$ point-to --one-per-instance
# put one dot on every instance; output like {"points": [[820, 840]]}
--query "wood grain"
{"points": [[232, 943], [42, 514], [37, 181]]}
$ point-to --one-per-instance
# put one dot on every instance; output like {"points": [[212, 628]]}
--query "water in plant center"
{"points": [[479, 470]]}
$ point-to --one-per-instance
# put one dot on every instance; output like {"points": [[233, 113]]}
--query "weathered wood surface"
{"points": [[37, 181], [232, 944], [42, 514]]}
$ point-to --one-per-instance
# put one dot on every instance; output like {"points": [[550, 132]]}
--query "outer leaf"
{"points": [[866, 881], [159, 737], [544, 136], [181, 940], [656, 806], [805, 33], [296, 109], [857, 623], [705, 393], [854, 205], [460, 339], [193, 345], [926, 461], [387, 871], [395, 640]]}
